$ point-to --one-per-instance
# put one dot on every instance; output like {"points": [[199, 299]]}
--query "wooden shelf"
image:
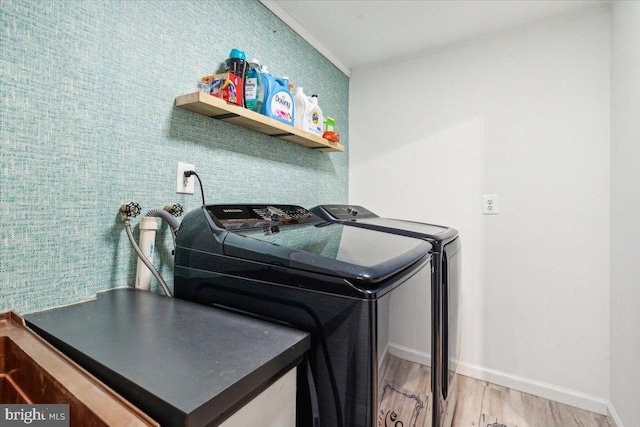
{"points": [[219, 109]]}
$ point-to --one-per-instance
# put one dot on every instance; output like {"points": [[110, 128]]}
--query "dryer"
{"points": [[446, 264], [345, 285]]}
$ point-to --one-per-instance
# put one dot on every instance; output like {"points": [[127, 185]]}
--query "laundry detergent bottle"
{"points": [[254, 86], [278, 101], [316, 118], [237, 64], [308, 114], [302, 104]]}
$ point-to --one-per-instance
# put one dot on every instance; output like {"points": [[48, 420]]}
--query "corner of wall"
{"points": [[612, 416]]}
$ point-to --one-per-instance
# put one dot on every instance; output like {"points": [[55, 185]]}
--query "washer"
{"points": [[446, 261], [347, 285]]}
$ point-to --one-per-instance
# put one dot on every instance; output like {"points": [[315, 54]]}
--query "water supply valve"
{"points": [[131, 210], [175, 210]]}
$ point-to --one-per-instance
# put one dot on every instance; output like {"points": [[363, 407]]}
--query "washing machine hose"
{"points": [[145, 260]]}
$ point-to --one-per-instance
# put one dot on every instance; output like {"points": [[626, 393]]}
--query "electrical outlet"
{"points": [[185, 185], [490, 204]]}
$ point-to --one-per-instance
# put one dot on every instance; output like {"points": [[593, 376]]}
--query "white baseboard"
{"points": [[613, 417], [410, 354], [537, 388], [525, 385]]}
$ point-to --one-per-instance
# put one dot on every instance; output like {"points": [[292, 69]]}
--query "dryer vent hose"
{"points": [[170, 219]]}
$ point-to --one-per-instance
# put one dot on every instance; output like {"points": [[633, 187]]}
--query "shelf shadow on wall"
{"points": [[208, 132]]}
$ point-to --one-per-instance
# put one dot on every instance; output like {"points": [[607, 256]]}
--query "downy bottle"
{"points": [[278, 101], [254, 86]]}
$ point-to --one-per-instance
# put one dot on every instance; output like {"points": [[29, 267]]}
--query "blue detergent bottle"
{"points": [[254, 87], [278, 101]]}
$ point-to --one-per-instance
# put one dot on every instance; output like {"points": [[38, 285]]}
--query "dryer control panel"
{"points": [[233, 217], [344, 212]]}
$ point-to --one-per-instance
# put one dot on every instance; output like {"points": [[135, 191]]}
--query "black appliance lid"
{"points": [[307, 243], [428, 230], [358, 215]]}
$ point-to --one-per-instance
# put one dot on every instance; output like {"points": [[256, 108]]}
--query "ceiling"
{"points": [[355, 34]]}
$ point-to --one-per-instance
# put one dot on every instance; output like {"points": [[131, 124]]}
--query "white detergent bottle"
{"points": [[302, 105], [316, 118]]}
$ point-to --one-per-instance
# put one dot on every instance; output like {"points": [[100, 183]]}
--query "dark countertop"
{"points": [[182, 363]]}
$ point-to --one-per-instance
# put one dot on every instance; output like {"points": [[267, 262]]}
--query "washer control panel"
{"points": [[234, 217]]}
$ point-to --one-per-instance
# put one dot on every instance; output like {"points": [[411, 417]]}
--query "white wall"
{"points": [[625, 212], [524, 116]]}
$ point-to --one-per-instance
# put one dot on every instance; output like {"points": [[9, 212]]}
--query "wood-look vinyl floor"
{"points": [[404, 392], [479, 403]]}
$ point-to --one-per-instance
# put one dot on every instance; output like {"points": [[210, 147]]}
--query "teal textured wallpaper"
{"points": [[88, 122]]}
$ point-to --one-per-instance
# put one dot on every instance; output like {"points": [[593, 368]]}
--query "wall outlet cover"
{"points": [[185, 185], [490, 204]]}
